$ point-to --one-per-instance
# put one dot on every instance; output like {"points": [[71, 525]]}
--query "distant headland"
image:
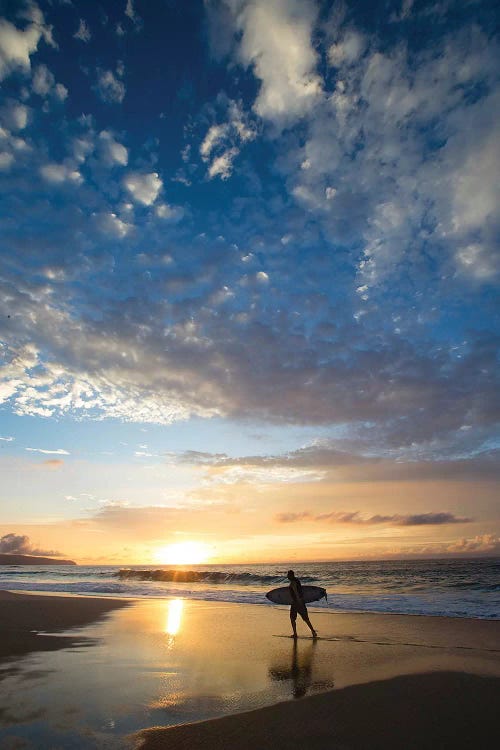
{"points": [[12, 559]]}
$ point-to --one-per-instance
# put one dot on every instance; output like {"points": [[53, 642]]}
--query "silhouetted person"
{"points": [[298, 604]]}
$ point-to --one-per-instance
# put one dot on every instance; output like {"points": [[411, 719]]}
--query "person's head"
{"points": [[290, 575]]}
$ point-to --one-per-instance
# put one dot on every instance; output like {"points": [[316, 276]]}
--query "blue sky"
{"points": [[238, 233]]}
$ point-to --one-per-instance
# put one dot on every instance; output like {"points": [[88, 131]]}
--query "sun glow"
{"points": [[183, 553]]}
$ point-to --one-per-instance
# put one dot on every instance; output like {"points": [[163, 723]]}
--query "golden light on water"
{"points": [[183, 553], [174, 616]]}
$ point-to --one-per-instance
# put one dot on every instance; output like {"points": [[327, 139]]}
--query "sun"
{"points": [[183, 553]]}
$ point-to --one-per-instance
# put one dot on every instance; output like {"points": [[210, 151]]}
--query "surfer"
{"points": [[298, 604]]}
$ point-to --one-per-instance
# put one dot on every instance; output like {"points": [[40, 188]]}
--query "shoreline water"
{"points": [[458, 588], [210, 659]]}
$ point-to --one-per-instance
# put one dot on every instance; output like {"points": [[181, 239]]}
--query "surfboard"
{"points": [[283, 595]]}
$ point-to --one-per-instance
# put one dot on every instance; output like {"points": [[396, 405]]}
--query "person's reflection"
{"points": [[300, 671]]}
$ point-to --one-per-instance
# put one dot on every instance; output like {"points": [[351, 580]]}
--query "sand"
{"points": [[433, 711], [399, 681], [27, 618]]}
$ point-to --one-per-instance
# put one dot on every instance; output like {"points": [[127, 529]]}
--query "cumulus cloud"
{"points": [[44, 84], [20, 544], [109, 87], [14, 115], [112, 152], [143, 187], [18, 44], [276, 41], [169, 213], [111, 224], [56, 174]]}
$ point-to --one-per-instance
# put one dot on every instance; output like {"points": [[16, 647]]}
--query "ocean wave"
{"points": [[199, 576]]}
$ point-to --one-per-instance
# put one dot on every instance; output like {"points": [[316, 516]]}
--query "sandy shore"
{"points": [[437, 711], [27, 618], [218, 676]]}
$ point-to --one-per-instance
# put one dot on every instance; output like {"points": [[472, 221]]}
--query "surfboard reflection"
{"points": [[299, 671]]}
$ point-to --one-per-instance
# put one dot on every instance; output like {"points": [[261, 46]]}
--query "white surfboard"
{"points": [[283, 595]]}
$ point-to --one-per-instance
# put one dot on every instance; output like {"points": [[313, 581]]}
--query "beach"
{"points": [[177, 673]]}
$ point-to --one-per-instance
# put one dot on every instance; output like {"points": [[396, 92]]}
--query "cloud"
{"points": [[276, 41], [169, 213], [18, 44], [222, 142], [44, 83], [111, 225], [144, 188], [20, 544], [112, 152], [57, 451], [355, 517], [7, 439], [57, 174], [109, 87], [485, 543], [222, 166], [83, 32], [14, 115]]}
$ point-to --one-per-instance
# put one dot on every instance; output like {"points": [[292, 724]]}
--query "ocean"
{"points": [[453, 588]]}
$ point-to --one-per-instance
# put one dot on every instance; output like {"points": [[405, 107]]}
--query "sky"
{"points": [[249, 279]]}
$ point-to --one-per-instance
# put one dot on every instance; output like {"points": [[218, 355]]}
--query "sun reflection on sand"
{"points": [[174, 617]]}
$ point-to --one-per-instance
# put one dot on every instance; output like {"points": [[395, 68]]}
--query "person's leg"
{"points": [[293, 620], [305, 617]]}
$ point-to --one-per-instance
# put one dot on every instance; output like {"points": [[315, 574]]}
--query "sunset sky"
{"points": [[249, 279]]}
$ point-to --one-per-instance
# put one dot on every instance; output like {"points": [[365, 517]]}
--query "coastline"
{"points": [[28, 618], [398, 680], [447, 710]]}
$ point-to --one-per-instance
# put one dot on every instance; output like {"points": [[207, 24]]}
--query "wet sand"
{"points": [[26, 618], [195, 674], [437, 711]]}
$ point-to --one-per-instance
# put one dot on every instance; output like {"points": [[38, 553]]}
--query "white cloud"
{"points": [[169, 213], [112, 225], [110, 89], [112, 151], [7, 439], [59, 173], [17, 45], [222, 141], [214, 136], [348, 50], [144, 188], [44, 84], [276, 41], [83, 32], [43, 80], [14, 115], [56, 452], [222, 166]]}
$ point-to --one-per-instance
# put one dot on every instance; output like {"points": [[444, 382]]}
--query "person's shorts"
{"points": [[297, 608]]}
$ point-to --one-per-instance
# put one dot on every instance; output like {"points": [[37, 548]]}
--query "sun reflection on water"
{"points": [[174, 617]]}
